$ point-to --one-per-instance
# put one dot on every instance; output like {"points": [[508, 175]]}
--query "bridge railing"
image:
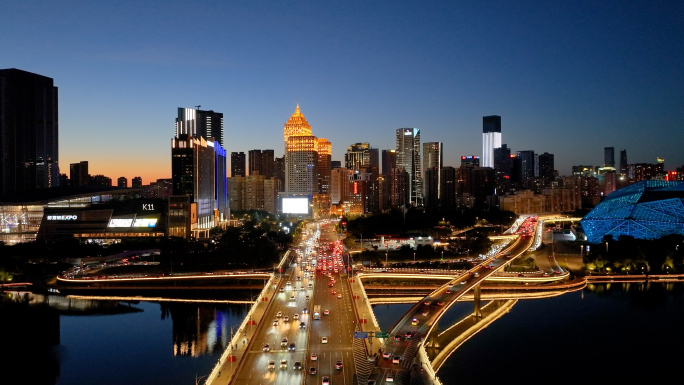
{"points": [[427, 366], [238, 335]]}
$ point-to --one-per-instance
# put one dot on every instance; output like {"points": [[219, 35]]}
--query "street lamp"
{"points": [[414, 257]]}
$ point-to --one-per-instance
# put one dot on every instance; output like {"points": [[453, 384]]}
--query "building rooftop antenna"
{"points": [[197, 107]]}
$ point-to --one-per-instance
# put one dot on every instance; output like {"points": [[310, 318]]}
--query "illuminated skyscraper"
{"points": [[491, 138], [198, 167], [307, 158], [408, 159], [29, 151]]}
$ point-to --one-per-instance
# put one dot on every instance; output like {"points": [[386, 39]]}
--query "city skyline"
{"points": [[569, 80]]}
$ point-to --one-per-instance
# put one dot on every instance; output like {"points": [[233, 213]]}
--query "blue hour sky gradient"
{"points": [[568, 78]]}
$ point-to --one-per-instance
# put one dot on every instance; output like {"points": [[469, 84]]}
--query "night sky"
{"points": [[568, 78]]}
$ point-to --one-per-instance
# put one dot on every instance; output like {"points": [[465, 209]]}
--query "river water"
{"points": [[602, 334]]}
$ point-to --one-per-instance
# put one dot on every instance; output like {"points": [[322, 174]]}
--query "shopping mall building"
{"points": [[89, 213]]}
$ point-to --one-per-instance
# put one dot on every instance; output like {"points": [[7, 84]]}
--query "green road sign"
{"points": [[381, 334]]}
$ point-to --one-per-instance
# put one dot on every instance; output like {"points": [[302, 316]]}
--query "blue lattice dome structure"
{"points": [[645, 210]]}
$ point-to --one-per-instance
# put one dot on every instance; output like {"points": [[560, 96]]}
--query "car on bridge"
{"points": [[283, 364], [397, 337], [271, 365], [312, 370], [387, 355], [302, 325], [389, 378], [275, 322], [286, 319], [291, 348], [297, 365], [295, 317], [339, 296], [326, 380], [314, 357], [279, 314], [338, 364], [324, 340], [266, 348], [326, 312], [283, 342], [414, 322], [396, 359]]}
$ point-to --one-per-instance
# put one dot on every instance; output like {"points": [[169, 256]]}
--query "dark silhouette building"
{"points": [[609, 156], [78, 174], [29, 149], [389, 161], [261, 163], [547, 172], [237, 164]]}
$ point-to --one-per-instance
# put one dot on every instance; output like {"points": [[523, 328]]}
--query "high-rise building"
{"points": [[339, 185], [279, 171], [408, 159], [78, 174], [196, 122], [261, 162], [526, 164], [237, 164], [307, 162], [122, 182], [198, 167], [623, 162], [503, 167], [433, 159], [491, 138], [361, 157], [547, 172], [448, 188], [136, 182], [431, 187], [29, 124], [389, 161], [335, 164], [609, 157], [255, 162]]}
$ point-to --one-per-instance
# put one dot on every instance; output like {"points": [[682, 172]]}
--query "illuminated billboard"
{"points": [[120, 222], [145, 222], [296, 205]]}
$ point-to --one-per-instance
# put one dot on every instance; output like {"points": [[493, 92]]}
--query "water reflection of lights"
{"points": [[158, 299]]}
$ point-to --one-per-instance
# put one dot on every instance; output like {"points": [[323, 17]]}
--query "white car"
{"points": [[324, 340], [314, 357], [296, 316]]}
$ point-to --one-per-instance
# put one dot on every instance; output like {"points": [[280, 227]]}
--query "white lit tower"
{"points": [[491, 138]]}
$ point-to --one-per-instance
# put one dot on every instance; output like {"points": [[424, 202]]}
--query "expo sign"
{"points": [[70, 217]]}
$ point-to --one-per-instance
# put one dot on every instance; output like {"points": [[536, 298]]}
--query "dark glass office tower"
{"points": [[623, 162], [609, 155], [29, 150]]}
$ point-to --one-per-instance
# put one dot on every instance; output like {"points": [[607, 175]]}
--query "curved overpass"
{"points": [[428, 312]]}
